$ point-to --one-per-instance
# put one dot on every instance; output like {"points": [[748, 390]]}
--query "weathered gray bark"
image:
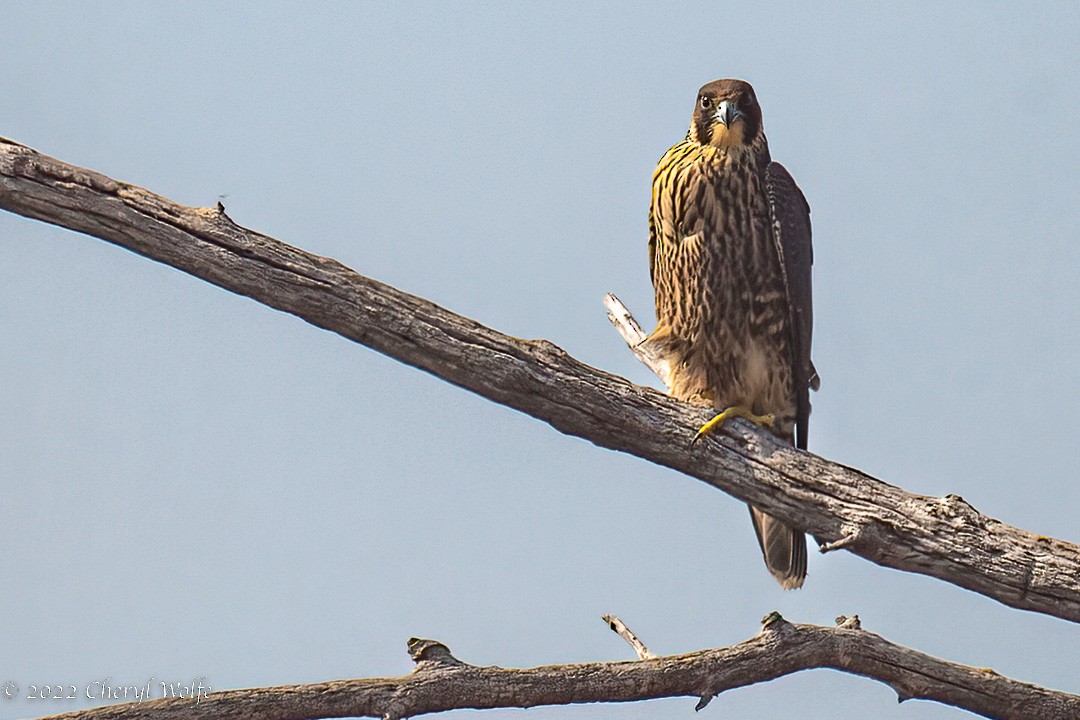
{"points": [[942, 537], [441, 682]]}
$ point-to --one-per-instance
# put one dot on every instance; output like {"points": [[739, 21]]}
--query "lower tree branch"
{"points": [[441, 682], [945, 537]]}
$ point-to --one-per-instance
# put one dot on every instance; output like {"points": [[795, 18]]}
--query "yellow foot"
{"points": [[736, 411]]}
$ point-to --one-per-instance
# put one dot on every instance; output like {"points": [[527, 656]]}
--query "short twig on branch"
{"points": [[941, 537], [628, 635], [847, 540], [441, 682], [635, 338]]}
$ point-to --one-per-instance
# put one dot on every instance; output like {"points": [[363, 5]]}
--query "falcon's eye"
{"points": [[706, 103]]}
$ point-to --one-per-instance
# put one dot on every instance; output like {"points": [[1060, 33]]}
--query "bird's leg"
{"points": [[734, 411]]}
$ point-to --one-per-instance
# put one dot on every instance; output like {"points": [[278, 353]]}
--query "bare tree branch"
{"points": [[945, 537], [441, 682]]}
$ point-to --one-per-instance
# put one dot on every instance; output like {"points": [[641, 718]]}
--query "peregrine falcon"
{"points": [[730, 257]]}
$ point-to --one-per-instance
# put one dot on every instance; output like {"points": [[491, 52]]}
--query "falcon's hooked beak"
{"points": [[727, 113]]}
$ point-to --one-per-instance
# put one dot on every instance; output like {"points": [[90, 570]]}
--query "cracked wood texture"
{"points": [[441, 682], [944, 538]]}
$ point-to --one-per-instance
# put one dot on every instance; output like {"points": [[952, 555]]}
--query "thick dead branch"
{"points": [[942, 537], [441, 682]]}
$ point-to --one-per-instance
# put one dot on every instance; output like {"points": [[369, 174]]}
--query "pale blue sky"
{"points": [[195, 485]]}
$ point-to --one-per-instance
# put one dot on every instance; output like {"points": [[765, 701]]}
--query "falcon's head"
{"points": [[726, 115]]}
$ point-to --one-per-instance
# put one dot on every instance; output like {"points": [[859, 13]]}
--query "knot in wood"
{"points": [[774, 622], [431, 652], [851, 623]]}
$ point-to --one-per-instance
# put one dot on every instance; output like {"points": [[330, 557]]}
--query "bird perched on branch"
{"points": [[730, 257]]}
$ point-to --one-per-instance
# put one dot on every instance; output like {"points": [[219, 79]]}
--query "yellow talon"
{"points": [[736, 411]]}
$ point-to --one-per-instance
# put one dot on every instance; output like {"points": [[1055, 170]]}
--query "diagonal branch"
{"points": [[945, 537], [441, 682]]}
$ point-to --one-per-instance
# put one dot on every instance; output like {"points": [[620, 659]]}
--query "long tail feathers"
{"points": [[783, 547]]}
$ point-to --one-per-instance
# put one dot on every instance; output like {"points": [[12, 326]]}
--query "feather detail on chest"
{"points": [[720, 295]]}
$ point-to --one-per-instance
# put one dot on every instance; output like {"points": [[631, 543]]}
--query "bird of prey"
{"points": [[730, 256]]}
